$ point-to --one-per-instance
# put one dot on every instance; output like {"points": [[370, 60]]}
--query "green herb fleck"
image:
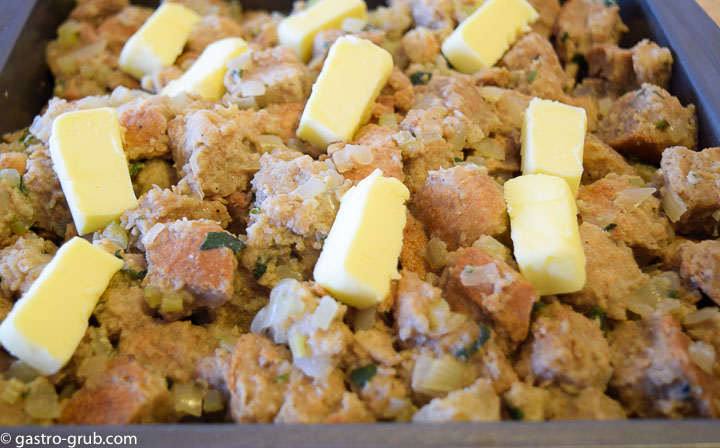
{"points": [[658, 94], [531, 76], [169, 382], [599, 314], [255, 211], [513, 412], [662, 124], [25, 137], [362, 375], [673, 293], [666, 64], [466, 352], [22, 187], [214, 240], [137, 275], [369, 27], [117, 254], [458, 160], [609, 227], [135, 168], [640, 93], [564, 36], [259, 270], [610, 3], [696, 176], [236, 75], [537, 306], [283, 378], [420, 78]]}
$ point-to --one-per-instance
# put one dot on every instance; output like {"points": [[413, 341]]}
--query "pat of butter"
{"points": [[482, 39], [360, 255], [46, 325], [342, 97], [88, 157], [545, 233], [298, 30], [207, 74], [553, 138], [159, 41]]}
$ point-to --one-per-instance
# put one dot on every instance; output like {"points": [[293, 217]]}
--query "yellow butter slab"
{"points": [[46, 325], [553, 138], [205, 77], [298, 30], [159, 41], [353, 75], [88, 157], [482, 39], [544, 230], [360, 255]]}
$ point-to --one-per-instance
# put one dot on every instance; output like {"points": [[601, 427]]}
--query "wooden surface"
{"points": [[712, 7]]}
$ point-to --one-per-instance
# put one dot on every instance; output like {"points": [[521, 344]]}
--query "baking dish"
{"points": [[681, 25]]}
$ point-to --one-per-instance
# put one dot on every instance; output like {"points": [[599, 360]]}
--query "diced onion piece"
{"points": [[361, 154], [268, 143], [703, 355], [228, 342], [457, 141], [213, 401], [492, 247], [68, 34], [672, 204], [286, 271], [436, 253], [244, 103], [153, 296], [352, 25], [424, 102], [285, 306], [13, 390], [22, 371], [604, 106], [42, 400], [325, 313], [477, 275], [151, 234], [633, 197], [700, 316], [364, 319], [310, 188], [388, 120], [20, 225], [69, 62], [491, 149], [693, 178], [427, 137], [122, 95], [11, 176], [433, 376], [171, 303], [188, 398], [491, 93], [298, 345], [442, 320], [475, 159], [644, 300], [408, 144], [640, 308], [716, 215], [242, 62], [91, 366], [252, 88], [342, 161]]}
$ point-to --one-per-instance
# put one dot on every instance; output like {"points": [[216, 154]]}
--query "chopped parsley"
{"points": [[513, 412], [117, 254], [135, 168], [369, 27], [137, 275], [420, 78], [259, 270], [666, 64], [236, 75], [283, 378], [362, 375], [25, 137], [640, 93], [458, 160], [673, 293], [214, 240], [564, 36], [466, 352], [599, 314], [22, 187], [610, 3], [255, 211], [537, 306], [658, 94], [531, 76], [609, 227], [662, 124]]}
